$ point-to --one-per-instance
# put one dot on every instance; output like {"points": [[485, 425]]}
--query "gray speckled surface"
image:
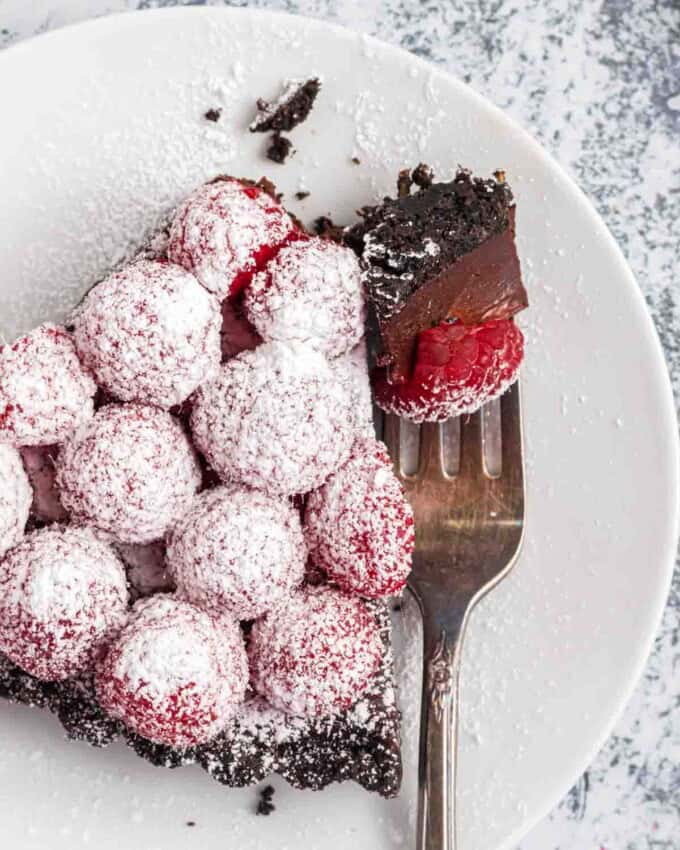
{"points": [[599, 84]]}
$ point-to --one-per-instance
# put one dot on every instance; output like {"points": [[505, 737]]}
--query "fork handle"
{"points": [[438, 735]]}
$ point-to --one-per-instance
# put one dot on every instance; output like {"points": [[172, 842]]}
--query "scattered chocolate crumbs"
{"points": [[356, 160], [265, 805], [291, 109], [423, 176], [404, 183], [301, 195], [69, 328], [397, 606], [213, 114], [279, 149], [191, 823], [499, 175], [326, 229]]}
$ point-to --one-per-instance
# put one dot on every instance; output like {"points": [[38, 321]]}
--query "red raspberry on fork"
{"points": [[458, 368]]}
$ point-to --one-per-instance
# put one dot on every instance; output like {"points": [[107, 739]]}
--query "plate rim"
{"points": [[567, 183]]}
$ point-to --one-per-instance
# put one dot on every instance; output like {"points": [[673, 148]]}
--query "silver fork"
{"points": [[468, 535]]}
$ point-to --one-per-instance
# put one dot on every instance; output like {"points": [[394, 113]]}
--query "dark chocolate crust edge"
{"points": [[362, 744]]}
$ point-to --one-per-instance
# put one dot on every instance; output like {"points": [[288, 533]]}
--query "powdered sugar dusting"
{"points": [[149, 333], [237, 551], [316, 654], [175, 674], [352, 368], [45, 393], [359, 526], [15, 498], [63, 594], [275, 418], [131, 471], [310, 293]]}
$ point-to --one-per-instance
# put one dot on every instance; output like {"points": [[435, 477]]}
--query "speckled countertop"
{"points": [[599, 84]]}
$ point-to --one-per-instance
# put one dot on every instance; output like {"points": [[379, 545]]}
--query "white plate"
{"points": [[102, 131]]}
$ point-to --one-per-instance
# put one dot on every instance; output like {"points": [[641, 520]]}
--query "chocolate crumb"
{"points": [[279, 149], [291, 109], [423, 176], [404, 183], [69, 328], [213, 114], [397, 606], [499, 175], [301, 195], [265, 805], [356, 160], [191, 823], [327, 229]]}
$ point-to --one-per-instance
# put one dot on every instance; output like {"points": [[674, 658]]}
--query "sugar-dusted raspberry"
{"points": [[275, 418], [237, 551], [150, 333], [175, 675], [458, 369], [146, 568], [359, 526], [225, 231], [45, 392], [40, 465], [130, 472], [317, 653], [311, 293], [62, 598], [15, 498]]}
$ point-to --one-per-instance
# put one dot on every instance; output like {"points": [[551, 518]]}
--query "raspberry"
{"points": [[316, 654], [359, 526], [62, 598], [45, 393], [458, 369], [150, 333], [237, 551], [40, 465], [131, 472], [225, 231], [15, 498], [175, 675], [275, 418], [310, 293]]}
